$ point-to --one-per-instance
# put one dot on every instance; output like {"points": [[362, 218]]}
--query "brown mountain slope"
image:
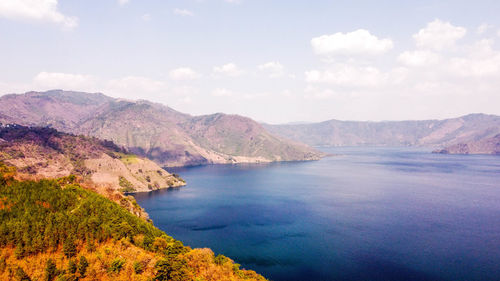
{"points": [[47, 153], [164, 135], [243, 138], [483, 146], [433, 133], [60, 109]]}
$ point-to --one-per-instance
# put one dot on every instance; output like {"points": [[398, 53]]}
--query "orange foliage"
{"points": [[44, 204], [99, 262], [202, 265], [4, 205]]}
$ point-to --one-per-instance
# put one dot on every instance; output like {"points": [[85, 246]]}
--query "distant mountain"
{"points": [[432, 133], [158, 132], [483, 146]]}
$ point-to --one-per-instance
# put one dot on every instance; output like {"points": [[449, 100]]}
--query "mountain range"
{"points": [[427, 133], [166, 136]]}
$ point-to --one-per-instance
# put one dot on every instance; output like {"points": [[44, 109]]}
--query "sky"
{"points": [[274, 61]]}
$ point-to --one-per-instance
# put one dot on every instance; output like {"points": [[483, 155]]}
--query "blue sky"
{"points": [[274, 61]]}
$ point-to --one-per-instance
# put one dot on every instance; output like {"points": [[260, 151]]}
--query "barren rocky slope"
{"points": [[158, 132], [483, 146], [47, 153]]}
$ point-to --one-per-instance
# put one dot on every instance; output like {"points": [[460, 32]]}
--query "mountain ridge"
{"points": [[166, 136], [428, 133]]}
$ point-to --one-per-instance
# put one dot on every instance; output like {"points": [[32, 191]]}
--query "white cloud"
{"points": [[37, 10], [221, 92], [348, 76], [183, 12], [229, 69], [66, 81], [233, 1], [418, 58], [478, 68], [183, 73], [273, 69], [359, 42], [498, 33], [481, 61], [123, 2], [146, 17], [483, 28], [439, 35]]}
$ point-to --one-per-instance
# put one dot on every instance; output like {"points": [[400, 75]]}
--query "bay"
{"points": [[366, 214]]}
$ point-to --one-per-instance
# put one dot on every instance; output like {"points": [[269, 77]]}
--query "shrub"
{"points": [[50, 270], [72, 267], [138, 267], [82, 266], [127, 186], [19, 252], [21, 275], [170, 269], [69, 248], [116, 265], [3, 265], [220, 259]]}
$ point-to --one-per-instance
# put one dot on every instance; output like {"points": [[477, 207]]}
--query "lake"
{"points": [[367, 214]]}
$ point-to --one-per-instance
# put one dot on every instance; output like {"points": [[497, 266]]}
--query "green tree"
{"points": [[82, 266], [170, 269], [138, 267], [69, 248], [3, 264], [72, 266], [116, 265], [21, 275], [19, 252], [50, 270]]}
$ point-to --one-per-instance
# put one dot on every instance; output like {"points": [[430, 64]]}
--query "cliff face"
{"points": [[47, 153], [433, 133], [484, 146], [158, 132]]}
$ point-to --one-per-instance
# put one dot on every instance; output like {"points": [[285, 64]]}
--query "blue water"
{"points": [[368, 214]]}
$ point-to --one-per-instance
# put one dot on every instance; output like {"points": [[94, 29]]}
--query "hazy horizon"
{"points": [[274, 62], [263, 122]]}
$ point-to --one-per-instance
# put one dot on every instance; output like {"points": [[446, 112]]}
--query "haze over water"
{"points": [[369, 214]]}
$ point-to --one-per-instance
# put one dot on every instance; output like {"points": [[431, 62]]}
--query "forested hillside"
{"points": [[56, 230]]}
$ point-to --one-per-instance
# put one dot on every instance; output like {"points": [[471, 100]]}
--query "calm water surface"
{"points": [[369, 214]]}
